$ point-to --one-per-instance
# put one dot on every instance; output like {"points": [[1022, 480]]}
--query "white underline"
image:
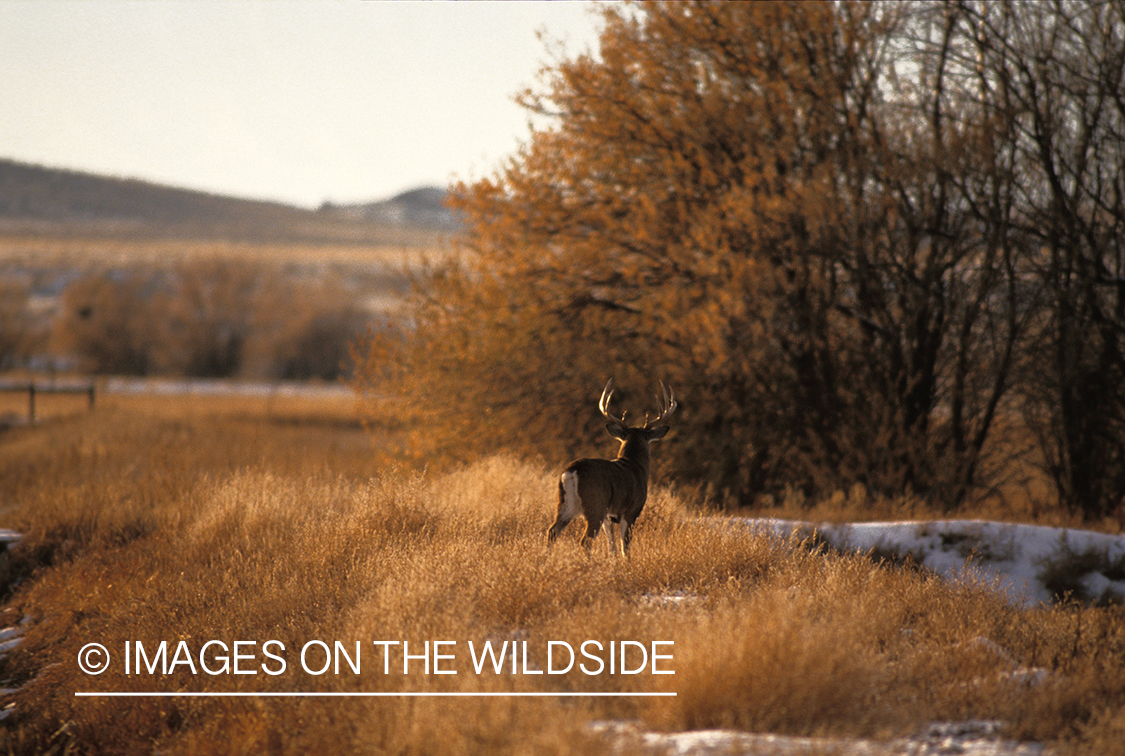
{"points": [[357, 694]]}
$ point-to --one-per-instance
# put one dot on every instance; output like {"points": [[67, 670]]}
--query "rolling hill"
{"points": [[58, 201], [421, 208]]}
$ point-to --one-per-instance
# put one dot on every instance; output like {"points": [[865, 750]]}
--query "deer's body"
{"points": [[610, 488]]}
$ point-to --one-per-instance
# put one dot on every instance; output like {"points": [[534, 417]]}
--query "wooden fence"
{"points": [[31, 389]]}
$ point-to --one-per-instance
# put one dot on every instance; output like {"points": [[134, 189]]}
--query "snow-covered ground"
{"points": [[976, 738], [219, 387], [1031, 564]]}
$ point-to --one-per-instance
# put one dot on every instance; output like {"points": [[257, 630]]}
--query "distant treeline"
{"points": [[205, 319]]}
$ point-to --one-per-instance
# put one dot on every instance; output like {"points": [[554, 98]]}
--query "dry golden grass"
{"points": [[14, 405], [236, 525], [163, 399]]}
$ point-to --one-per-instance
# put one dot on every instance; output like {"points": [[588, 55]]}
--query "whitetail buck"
{"points": [[617, 488]]}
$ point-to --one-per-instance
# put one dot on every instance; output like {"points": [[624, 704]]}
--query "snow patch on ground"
{"points": [[974, 738], [220, 387], [1030, 564]]}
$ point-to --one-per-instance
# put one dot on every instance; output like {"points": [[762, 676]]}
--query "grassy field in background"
{"points": [[379, 270], [403, 248], [192, 519]]}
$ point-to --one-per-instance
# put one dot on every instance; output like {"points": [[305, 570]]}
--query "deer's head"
{"points": [[635, 440]]}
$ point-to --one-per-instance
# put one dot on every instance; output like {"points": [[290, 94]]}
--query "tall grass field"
{"points": [[224, 546]]}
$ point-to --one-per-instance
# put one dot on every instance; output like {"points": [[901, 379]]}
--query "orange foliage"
{"points": [[822, 253], [646, 236]]}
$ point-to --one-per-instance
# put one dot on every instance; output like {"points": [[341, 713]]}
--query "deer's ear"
{"points": [[655, 434], [616, 431]]}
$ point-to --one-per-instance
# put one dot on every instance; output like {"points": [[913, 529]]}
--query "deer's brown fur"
{"points": [[611, 488]]}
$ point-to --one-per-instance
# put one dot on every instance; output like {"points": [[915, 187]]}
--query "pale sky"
{"points": [[300, 102]]}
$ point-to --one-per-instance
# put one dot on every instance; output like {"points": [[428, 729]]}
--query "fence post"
{"points": [[33, 391]]}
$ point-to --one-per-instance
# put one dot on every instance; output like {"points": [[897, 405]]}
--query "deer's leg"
{"points": [[569, 505], [626, 536], [559, 526], [611, 531], [593, 527]]}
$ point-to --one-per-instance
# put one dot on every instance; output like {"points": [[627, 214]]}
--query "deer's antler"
{"points": [[665, 404], [603, 405]]}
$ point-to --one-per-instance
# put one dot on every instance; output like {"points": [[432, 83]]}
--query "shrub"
{"points": [[109, 322], [210, 319], [20, 336]]}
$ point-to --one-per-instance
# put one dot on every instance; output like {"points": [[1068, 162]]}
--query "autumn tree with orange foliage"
{"points": [[760, 205]]}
